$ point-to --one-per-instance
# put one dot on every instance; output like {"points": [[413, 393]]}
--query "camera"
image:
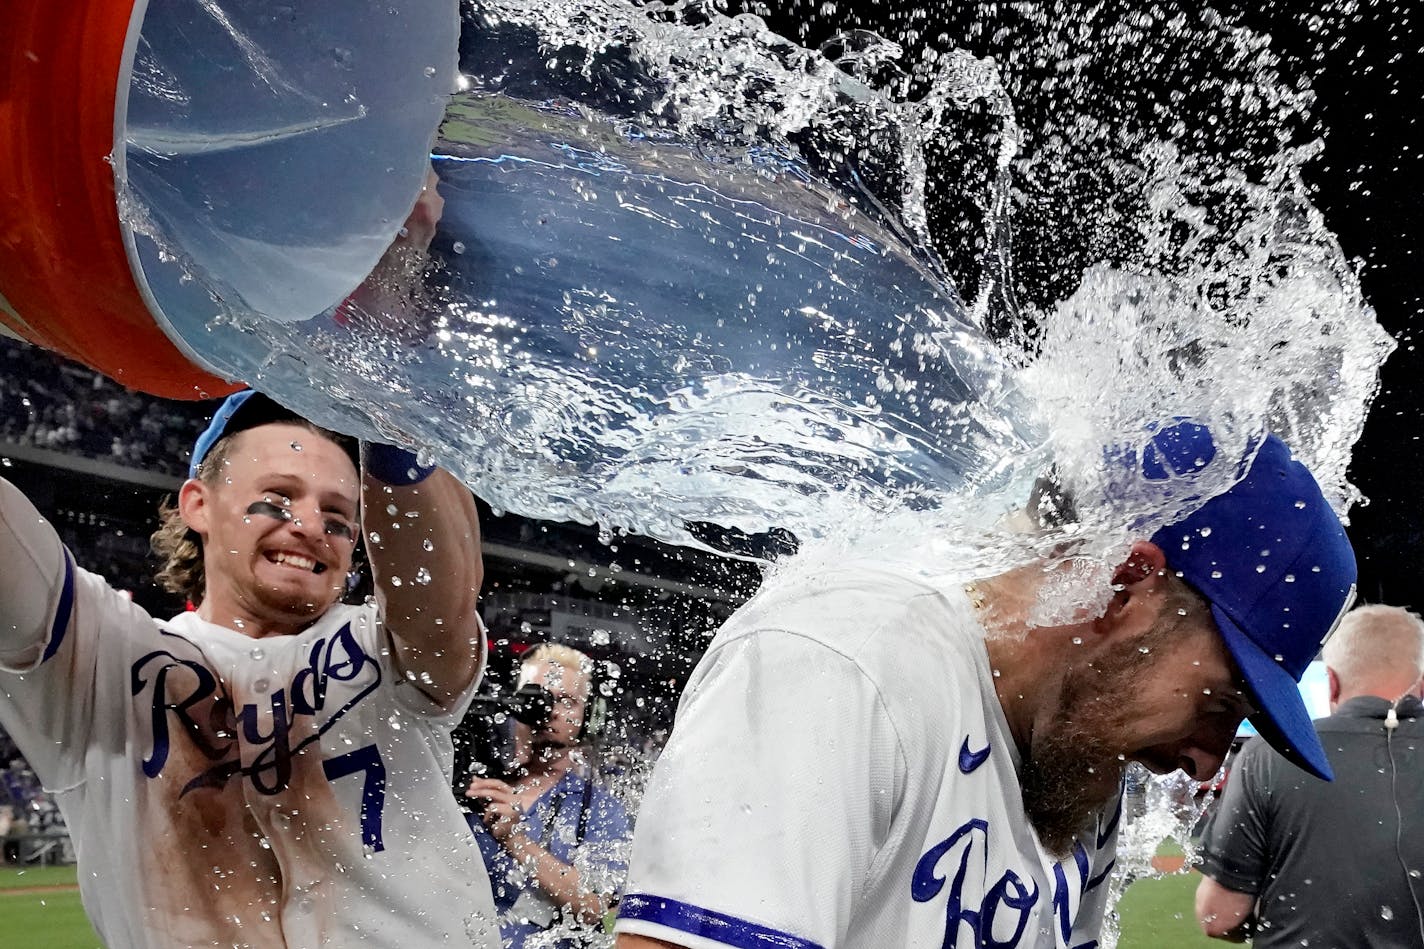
{"points": [[484, 741]]}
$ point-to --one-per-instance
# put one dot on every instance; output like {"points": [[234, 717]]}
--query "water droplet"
{"points": [[1216, 574], [392, 509], [256, 654], [261, 686], [1290, 578], [296, 446], [429, 71], [1300, 505], [1260, 568], [1144, 649], [1077, 640], [375, 537], [428, 544], [1386, 913], [458, 247], [1205, 532], [422, 576], [1280, 658]]}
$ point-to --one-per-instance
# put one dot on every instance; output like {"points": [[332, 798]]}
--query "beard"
{"points": [[1075, 765]]}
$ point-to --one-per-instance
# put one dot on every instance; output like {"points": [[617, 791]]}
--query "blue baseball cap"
{"points": [[246, 409], [1272, 559]]}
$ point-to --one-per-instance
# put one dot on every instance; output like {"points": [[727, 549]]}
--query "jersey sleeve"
{"points": [[1234, 845], [53, 618], [766, 811], [36, 586]]}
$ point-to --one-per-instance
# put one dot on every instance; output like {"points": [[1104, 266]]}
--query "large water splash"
{"points": [[691, 271]]}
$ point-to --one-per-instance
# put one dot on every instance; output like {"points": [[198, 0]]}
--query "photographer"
{"points": [[552, 840]]}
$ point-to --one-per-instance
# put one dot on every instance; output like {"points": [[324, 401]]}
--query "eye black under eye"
{"points": [[340, 529], [266, 508]]}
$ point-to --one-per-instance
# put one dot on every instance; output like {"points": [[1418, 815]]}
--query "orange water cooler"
{"points": [[264, 152]]}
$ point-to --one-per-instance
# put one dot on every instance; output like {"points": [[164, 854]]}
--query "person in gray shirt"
{"points": [[1290, 860]]}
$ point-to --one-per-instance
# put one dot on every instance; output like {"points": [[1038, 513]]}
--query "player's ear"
{"points": [[195, 505], [1136, 579], [1144, 560]]}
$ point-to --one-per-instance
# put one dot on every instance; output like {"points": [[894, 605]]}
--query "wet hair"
{"points": [[1050, 504], [1181, 599], [177, 545]]}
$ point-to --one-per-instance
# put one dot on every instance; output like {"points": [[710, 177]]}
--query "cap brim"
{"points": [[1282, 720]]}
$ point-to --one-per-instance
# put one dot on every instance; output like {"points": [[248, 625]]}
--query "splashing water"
{"points": [[686, 273], [1155, 808], [690, 270]]}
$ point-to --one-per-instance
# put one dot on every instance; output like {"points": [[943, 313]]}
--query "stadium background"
{"points": [[97, 459]]}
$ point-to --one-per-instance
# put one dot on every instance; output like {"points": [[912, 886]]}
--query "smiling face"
{"points": [[278, 524], [1167, 696]]}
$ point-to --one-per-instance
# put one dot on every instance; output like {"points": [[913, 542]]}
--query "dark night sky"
{"points": [[1367, 71], [1365, 64], [1371, 189]]}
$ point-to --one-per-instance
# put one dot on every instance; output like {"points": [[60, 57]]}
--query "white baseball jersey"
{"points": [[223, 790], [841, 776]]}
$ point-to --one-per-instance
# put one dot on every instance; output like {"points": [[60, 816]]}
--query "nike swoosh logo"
{"points": [[969, 761]]}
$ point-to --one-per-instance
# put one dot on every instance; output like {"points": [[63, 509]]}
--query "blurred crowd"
{"points": [[31, 826], [51, 403]]}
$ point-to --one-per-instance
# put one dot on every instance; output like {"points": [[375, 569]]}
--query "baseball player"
{"points": [[270, 769], [868, 758]]}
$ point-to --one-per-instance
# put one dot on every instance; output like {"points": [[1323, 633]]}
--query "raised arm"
{"points": [[60, 628], [423, 537], [34, 611]]}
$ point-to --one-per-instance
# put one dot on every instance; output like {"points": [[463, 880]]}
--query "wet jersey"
{"points": [[223, 790], [841, 774]]}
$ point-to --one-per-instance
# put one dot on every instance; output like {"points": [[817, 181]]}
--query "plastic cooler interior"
{"points": [[269, 152]]}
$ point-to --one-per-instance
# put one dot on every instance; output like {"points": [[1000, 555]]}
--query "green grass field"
{"points": [[1156, 914], [53, 919]]}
